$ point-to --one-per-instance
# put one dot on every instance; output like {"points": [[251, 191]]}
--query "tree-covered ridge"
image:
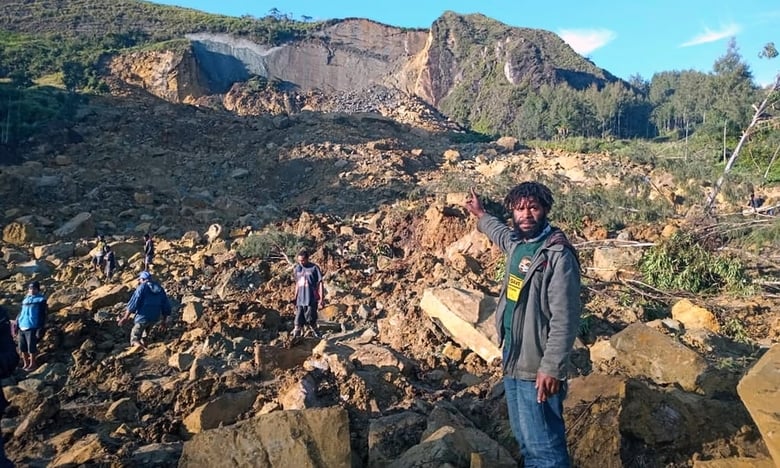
{"points": [[150, 21], [40, 37]]}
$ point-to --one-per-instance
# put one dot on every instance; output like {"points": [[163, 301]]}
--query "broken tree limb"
{"points": [[758, 117]]}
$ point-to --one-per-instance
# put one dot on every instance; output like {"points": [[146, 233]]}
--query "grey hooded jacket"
{"points": [[547, 314]]}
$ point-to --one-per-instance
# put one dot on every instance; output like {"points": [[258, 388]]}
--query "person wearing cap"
{"points": [[148, 304], [31, 324]]}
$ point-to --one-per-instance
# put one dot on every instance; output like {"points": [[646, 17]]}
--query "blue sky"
{"points": [[624, 37]]}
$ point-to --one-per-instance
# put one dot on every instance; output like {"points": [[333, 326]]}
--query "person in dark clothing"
{"points": [[309, 294], [109, 260], [149, 303], [9, 360], [31, 324], [148, 250], [537, 318]]}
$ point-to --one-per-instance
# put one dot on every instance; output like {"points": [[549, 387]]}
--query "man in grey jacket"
{"points": [[537, 319]]}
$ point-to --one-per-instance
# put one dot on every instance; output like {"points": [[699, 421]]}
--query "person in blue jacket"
{"points": [[148, 304], [31, 324]]}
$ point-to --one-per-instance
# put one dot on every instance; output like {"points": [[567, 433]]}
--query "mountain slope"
{"points": [[475, 70]]}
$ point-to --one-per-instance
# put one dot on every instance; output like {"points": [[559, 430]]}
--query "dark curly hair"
{"points": [[529, 190]]}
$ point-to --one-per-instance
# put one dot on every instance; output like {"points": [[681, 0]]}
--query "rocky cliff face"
{"points": [[175, 76], [352, 54], [458, 58]]}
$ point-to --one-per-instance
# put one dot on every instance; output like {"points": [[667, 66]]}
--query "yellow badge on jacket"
{"points": [[513, 288]]}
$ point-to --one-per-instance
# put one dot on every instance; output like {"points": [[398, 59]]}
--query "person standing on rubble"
{"points": [[148, 251], [537, 319], [309, 294], [31, 324], [148, 304]]}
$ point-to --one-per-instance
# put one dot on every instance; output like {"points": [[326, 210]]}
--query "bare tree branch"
{"points": [[758, 117]]}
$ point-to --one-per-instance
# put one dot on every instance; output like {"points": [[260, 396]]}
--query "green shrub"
{"points": [[734, 329], [682, 263], [273, 244]]}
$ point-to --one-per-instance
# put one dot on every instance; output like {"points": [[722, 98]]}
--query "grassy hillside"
{"points": [[39, 36], [149, 21], [490, 55]]}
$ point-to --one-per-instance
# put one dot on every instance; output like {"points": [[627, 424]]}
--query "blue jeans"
{"points": [[538, 427]]}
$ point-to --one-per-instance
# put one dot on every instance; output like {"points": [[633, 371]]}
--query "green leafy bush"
{"points": [[273, 244], [682, 263]]}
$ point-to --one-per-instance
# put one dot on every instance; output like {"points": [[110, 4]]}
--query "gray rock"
{"points": [[390, 436], [122, 410], [80, 226]]}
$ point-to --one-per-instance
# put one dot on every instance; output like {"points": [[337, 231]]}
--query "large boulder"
{"points": [[86, 451], [610, 262], [300, 394], [613, 421], [693, 316], [66, 297], [390, 436], [19, 233], [382, 358], [81, 226], [125, 249], [455, 446], [58, 251], [106, 296], [467, 315], [224, 409], [759, 390], [645, 352], [592, 410], [305, 438]]}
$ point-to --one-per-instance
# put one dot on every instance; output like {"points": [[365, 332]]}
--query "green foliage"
{"points": [[614, 208], [273, 243], [767, 235], [682, 263], [24, 111], [73, 75], [587, 320], [500, 270], [734, 329], [35, 40], [20, 79]]}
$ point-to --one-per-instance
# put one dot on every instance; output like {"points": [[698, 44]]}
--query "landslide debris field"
{"points": [[230, 198]]}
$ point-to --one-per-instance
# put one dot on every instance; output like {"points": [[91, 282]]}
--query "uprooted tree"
{"points": [[762, 119]]}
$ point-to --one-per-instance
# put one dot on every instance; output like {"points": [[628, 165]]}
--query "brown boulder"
{"points": [[313, 437], [759, 390], [224, 409], [645, 352], [18, 233]]}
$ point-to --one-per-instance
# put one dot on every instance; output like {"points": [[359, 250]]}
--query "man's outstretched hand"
{"points": [[473, 205]]}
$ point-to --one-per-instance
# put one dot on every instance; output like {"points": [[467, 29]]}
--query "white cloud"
{"points": [[585, 41], [712, 36]]}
